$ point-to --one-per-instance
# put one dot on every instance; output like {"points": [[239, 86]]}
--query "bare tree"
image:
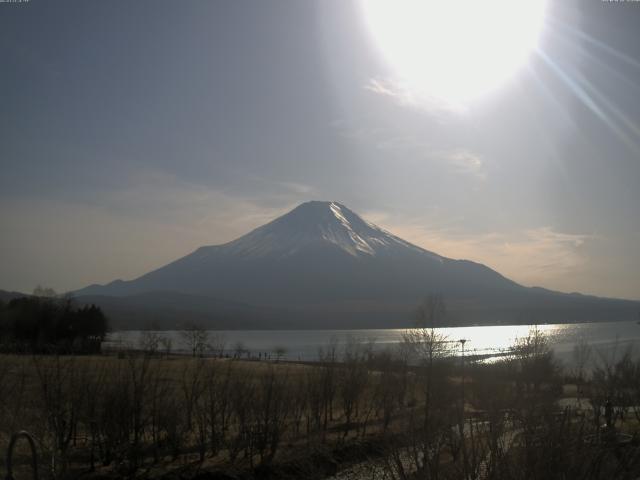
{"points": [[429, 348], [535, 360], [196, 339], [352, 379], [239, 349], [270, 413], [159, 401], [217, 344], [149, 343], [328, 359], [44, 292], [388, 393], [139, 386], [280, 352], [61, 393], [427, 344], [581, 356], [218, 403], [166, 344]]}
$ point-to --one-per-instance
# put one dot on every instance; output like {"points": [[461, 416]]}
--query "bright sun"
{"points": [[454, 51]]}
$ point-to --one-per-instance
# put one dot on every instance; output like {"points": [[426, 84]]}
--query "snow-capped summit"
{"points": [[313, 225]]}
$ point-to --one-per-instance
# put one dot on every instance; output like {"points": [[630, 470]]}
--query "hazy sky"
{"points": [[132, 132]]}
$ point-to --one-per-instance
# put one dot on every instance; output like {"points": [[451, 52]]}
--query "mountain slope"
{"points": [[323, 264], [6, 296]]}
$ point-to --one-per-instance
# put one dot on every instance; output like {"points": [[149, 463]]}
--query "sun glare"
{"points": [[454, 52]]}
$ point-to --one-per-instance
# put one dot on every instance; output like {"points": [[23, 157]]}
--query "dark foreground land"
{"points": [[355, 414]]}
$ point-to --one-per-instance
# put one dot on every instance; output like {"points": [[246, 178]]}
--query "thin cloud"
{"points": [[155, 219], [536, 256], [467, 162], [405, 96], [463, 161], [402, 142]]}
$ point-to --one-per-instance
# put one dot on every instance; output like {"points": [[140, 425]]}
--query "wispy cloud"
{"points": [[166, 199], [467, 162], [407, 96], [459, 160], [402, 142], [392, 89], [154, 219], [534, 256]]}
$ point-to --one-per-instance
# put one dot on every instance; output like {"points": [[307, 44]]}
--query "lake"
{"points": [[607, 339]]}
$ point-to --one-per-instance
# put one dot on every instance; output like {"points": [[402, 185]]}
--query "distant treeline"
{"points": [[38, 324]]}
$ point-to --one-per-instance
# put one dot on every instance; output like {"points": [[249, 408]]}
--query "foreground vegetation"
{"points": [[416, 412]]}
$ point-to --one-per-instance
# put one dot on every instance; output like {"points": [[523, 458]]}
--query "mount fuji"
{"points": [[323, 266]]}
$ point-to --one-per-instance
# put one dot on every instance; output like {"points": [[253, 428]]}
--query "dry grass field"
{"points": [[152, 416]]}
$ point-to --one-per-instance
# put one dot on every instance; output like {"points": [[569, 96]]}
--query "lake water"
{"points": [[607, 339]]}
